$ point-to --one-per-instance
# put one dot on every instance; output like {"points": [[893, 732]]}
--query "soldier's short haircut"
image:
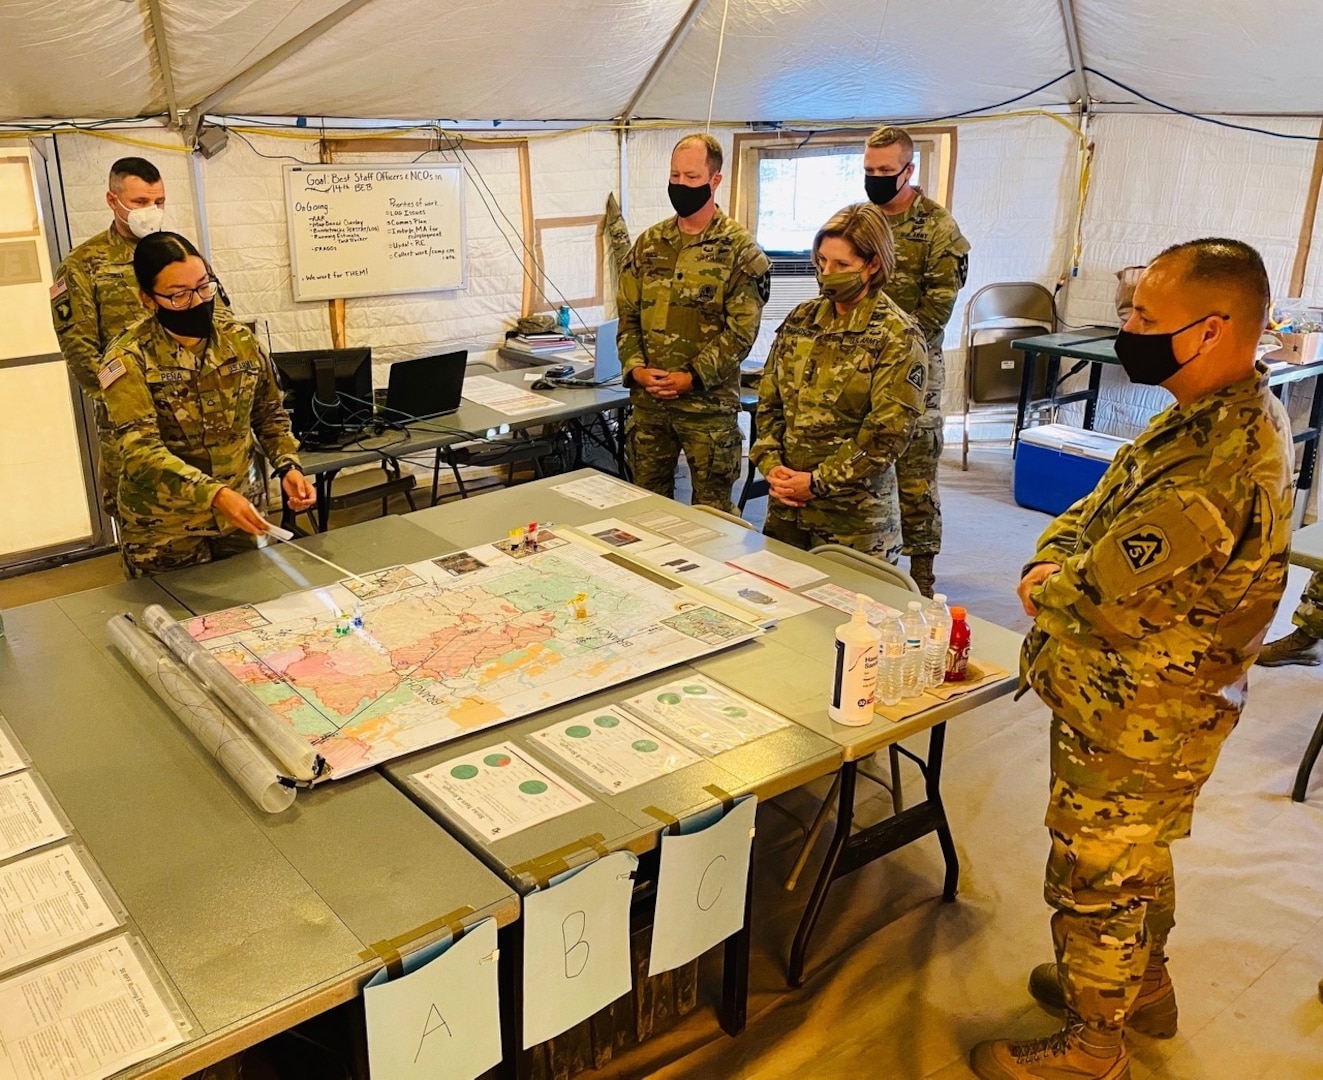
{"points": [[889, 136], [143, 169], [154, 252], [1227, 264], [715, 158], [865, 228]]}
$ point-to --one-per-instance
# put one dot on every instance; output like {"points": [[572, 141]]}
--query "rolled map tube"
{"points": [[294, 755], [219, 733]]}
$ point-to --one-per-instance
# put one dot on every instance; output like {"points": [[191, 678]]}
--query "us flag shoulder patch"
{"points": [[110, 372], [58, 290]]}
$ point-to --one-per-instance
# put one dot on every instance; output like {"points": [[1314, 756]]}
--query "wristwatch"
{"points": [[281, 470]]}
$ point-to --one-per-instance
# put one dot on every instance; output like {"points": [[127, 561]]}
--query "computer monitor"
{"points": [[328, 391], [606, 364], [423, 388]]}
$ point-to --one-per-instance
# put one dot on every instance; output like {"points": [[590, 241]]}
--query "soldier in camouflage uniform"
{"points": [[932, 261], [841, 396], [1304, 644], [1151, 597], [95, 298], [188, 398], [690, 300]]}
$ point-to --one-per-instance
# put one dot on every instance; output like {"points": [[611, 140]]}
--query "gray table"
{"points": [[469, 423], [256, 921], [788, 669]]}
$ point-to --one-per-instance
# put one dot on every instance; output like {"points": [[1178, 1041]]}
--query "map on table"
{"points": [[457, 644]]}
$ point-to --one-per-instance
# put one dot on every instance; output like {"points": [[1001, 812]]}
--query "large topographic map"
{"points": [[411, 656]]}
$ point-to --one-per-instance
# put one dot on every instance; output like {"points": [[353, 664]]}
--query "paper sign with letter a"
{"points": [[576, 947], [701, 888], [441, 1020]]}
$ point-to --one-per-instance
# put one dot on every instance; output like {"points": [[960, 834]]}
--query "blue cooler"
{"points": [[1057, 465]]}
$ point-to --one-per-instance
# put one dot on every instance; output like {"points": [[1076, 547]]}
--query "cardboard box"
{"points": [[1297, 349], [1056, 465]]}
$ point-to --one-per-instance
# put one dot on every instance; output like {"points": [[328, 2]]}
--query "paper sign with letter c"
{"points": [[701, 888]]}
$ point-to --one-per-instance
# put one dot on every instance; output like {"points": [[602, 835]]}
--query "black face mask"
{"points": [[882, 189], [194, 322], [1149, 359], [688, 200]]}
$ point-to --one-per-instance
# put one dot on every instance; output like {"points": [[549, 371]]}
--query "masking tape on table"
{"points": [[722, 796], [389, 949], [671, 822], [546, 866]]}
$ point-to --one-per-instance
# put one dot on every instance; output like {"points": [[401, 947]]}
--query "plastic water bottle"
{"points": [[563, 319], [916, 632], [939, 638], [891, 661]]}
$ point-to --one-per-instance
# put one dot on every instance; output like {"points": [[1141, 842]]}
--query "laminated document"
{"points": [[27, 819], [612, 750], [49, 902], [704, 715], [11, 757]]}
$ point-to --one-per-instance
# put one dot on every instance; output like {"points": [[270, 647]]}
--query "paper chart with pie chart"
{"points": [[612, 750], [704, 715], [498, 791]]}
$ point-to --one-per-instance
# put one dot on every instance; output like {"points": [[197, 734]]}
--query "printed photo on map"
{"points": [[382, 582], [617, 537], [459, 564], [708, 625]]}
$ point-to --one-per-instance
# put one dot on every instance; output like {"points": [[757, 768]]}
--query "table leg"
{"points": [[1307, 764], [932, 777], [1304, 483], [511, 981], [324, 482], [844, 820], [1091, 405], [735, 967], [1026, 383]]}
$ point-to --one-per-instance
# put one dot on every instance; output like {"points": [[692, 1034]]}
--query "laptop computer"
{"points": [[423, 388], [606, 365]]}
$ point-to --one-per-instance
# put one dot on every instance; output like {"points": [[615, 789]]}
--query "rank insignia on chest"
{"points": [[1145, 548], [707, 293]]}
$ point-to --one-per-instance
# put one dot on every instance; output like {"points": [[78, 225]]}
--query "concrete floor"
{"points": [[901, 985]]}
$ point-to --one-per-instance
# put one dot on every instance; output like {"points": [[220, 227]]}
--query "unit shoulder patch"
{"points": [[918, 376], [1145, 548]]}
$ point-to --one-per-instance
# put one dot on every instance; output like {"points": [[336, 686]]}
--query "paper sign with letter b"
{"points": [[576, 947], [701, 888], [442, 1019]]}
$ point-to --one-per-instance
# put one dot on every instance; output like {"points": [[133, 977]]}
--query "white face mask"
{"points": [[144, 220]]}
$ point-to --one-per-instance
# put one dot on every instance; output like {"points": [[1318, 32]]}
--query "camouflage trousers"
{"points": [[712, 447], [868, 521], [916, 481], [157, 551], [109, 465], [1109, 878], [1309, 614]]}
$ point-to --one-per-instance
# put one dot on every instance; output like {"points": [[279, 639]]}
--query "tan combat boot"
{"points": [[1076, 1052], [1296, 649], [921, 570], [1153, 1014]]}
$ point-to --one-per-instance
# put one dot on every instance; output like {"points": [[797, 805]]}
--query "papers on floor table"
{"points": [[26, 818], [599, 491], [704, 715], [688, 564], [778, 569], [10, 758], [768, 602], [613, 751], [504, 397], [844, 600], [85, 1016], [498, 791], [48, 902], [621, 534], [681, 530]]}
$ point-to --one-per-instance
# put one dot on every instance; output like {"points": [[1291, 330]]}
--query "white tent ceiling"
{"points": [[815, 60]]}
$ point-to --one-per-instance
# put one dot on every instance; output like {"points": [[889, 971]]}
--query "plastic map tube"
{"points": [[294, 755], [219, 733]]}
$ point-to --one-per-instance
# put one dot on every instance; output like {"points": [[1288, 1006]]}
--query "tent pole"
{"points": [[1076, 54], [272, 59], [1307, 224], [163, 58], [664, 57], [622, 134], [200, 205]]}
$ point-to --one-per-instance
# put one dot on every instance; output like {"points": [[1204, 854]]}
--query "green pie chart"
{"points": [[735, 712], [464, 772], [532, 787], [578, 731], [606, 720], [669, 699], [645, 746], [695, 689], [497, 761]]}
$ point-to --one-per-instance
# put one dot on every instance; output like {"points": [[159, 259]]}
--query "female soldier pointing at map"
{"points": [[189, 400]]}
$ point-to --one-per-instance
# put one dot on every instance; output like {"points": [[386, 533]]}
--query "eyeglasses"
{"points": [[181, 300]]}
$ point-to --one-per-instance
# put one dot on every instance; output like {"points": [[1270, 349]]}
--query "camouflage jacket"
{"points": [[932, 263], [840, 395], [93, 301], [186, 423], [692, 303], [1170, 572]]}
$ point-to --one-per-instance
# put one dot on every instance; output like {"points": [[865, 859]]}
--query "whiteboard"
{"points": [[359, 230]]}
